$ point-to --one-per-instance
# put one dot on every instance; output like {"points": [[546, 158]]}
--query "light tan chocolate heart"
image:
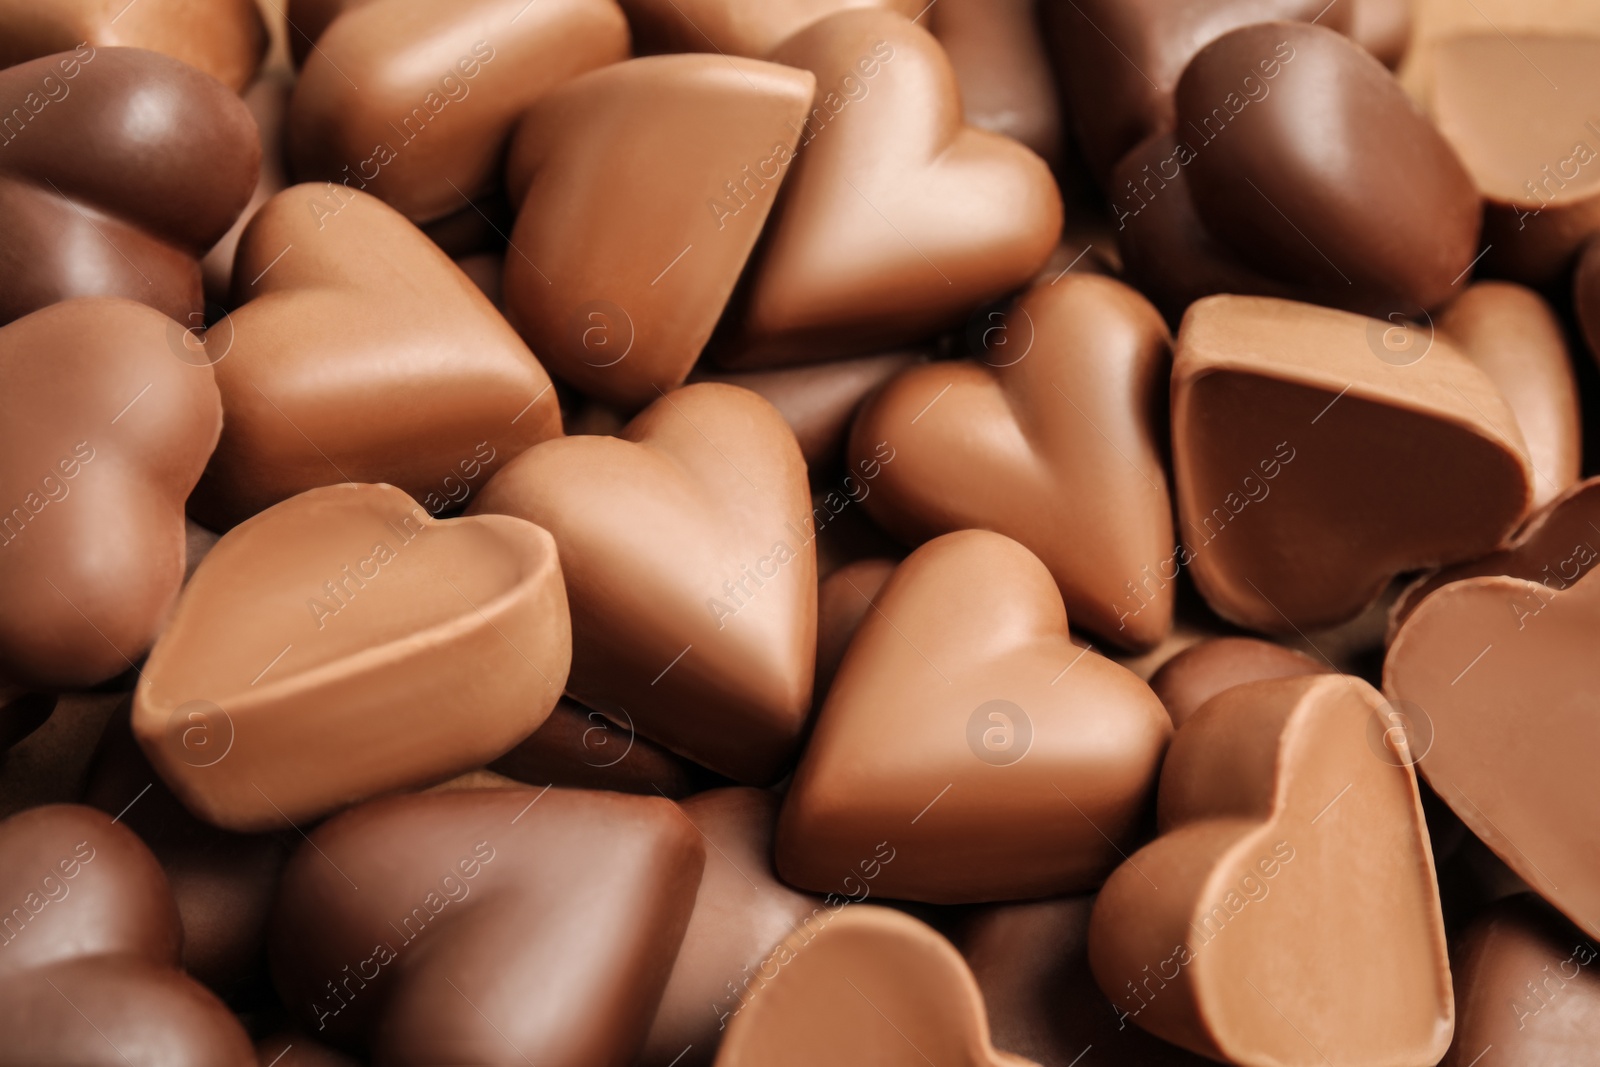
{"points": [[898, 218], [735, 27], [360, 352], [1053, 438], [345, 644], [1291, 830], [691, 569], [969, 738]]}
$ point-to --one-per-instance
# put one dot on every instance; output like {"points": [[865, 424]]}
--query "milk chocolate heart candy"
{"points": [[89, 953], [898, 218], [268, 100], [119, 168], [642, 188], [578, 746], [967, 735], [864, 985], [384, 650], [1287, 824], [492, 926], [735, 27], [414, 102], [691, 571], [1527, 989], [1482, 659], [1377, 214], [1521, 112], [1007, 85], [359, 351], [1120, 59], [225, 39], [1186, 681], [1053, 439], [1282, 413], [1516, 339], [101, 429], [741, 915], [819, 401]]}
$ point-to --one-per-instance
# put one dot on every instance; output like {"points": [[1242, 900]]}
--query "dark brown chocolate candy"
{"points": [[1312, 164], [1586, 295], [89, 953], [490, 926], [582, 748], [103, 427], [119, 168]]}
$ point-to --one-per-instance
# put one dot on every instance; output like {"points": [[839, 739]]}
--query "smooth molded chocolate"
{"points": [[1186, 681], [581, 748], [344, 644], [736, 27], [1383, 28], [969, 738], [844, 599], [268, 100], [1290, 824], [998, 53], [1055, 439], [104, 431]]}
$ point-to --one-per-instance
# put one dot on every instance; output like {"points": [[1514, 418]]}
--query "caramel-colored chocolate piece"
{"points": [[119, 168], [1376, 213], [344, 644], [491, 926], [105, 433], [897, 219], [968, 736], [1186, 681], [1288, 820], [641, 189], [1436, 21], [1383, 28], [414, 101], [736, 27], [691, 571], [223, 38], [360, 352], [268, 101], [1007, 85], [1486, 659], [1053, 439], [582, 748], [1314, 462], [864, 985], [89, 953]]}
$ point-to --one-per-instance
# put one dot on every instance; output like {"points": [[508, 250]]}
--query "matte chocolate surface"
{"points": [[736, 27], [1007, 85], [1186, 681], [580, 747]]}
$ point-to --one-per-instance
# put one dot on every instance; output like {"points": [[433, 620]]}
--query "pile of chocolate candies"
{"points": [[799, 533]]}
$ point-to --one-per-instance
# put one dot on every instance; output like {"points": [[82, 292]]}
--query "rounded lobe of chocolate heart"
{"points": [[225, 39], [414, 102], [864, 985], [1533, 150], [1499, 666], [735, 27], [1526, 988], [1120, 59], [1284, 416], [492, 926], [741, 916], [844, 599], [690, 564], [1312, 164], [582, 748], [1383, 28], [1053, 439], [1007, 85], [642, 189], [89, 953], [1186, 681], [898, 218], [344, 644], [104, 435], [969, 739], [360, 352], [1518, 341], [268, 101], [120, 168], [1283, 825]]}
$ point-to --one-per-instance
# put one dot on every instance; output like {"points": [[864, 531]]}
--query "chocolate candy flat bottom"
{"points": [[799, 533]]}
